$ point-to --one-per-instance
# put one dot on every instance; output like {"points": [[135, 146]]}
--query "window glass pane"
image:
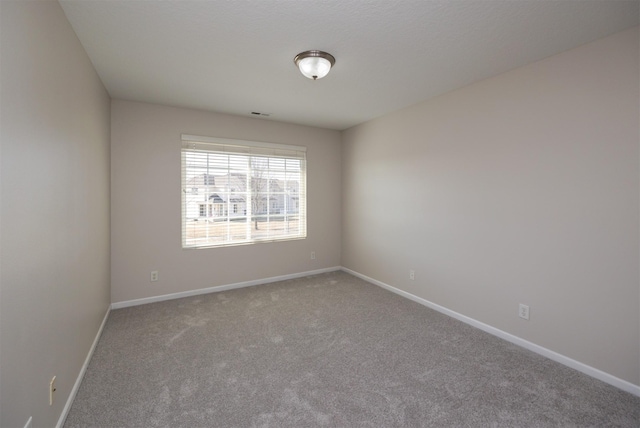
{"points": [[234, 194]]}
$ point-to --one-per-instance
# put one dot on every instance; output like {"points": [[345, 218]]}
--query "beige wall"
{"points": [[54, 281], [145, 204], [523, 188]]}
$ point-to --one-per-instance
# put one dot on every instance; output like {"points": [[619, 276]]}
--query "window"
{"points": [[257, 191]]}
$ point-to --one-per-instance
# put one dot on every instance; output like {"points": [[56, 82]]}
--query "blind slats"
{"points": [[224, 145], [237, 192]]}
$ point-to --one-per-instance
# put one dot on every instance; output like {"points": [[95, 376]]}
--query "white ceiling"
{"points": [[237, 56]]}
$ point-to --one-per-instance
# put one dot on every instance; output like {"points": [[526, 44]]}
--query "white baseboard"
{"points": [[179, 295], [74, 390], [552, 355]]}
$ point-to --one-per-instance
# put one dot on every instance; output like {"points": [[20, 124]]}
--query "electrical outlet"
{"points": [[412, 274], [313, 255], [52, 390], [523, 311], [154, 275]]}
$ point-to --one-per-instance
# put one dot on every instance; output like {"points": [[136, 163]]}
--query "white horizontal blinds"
{"points": [[236, 192]]}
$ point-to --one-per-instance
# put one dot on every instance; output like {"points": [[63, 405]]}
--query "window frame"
{"points": [[253, 152]]}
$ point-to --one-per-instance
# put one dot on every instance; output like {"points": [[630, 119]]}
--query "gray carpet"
{"points": [[326, 350]]}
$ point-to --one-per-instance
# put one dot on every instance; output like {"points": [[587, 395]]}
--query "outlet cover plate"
{"points": [[52, 389], [523, 311]]}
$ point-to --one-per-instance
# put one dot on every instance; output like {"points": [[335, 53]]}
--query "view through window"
{"points": [[238, 192]]}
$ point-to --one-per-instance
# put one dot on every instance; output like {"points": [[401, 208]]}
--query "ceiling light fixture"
{"points": [[314, 64]]}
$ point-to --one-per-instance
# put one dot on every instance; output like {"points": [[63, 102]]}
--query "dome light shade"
{"points": [[314, 64]]}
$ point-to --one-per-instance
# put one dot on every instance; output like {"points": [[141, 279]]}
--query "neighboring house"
{"points": [[220, 197]]}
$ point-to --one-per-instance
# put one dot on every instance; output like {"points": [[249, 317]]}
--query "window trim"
{"points": [[249, 149]]}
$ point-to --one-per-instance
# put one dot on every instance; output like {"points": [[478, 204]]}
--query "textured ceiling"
{"points": [[237, 56]]}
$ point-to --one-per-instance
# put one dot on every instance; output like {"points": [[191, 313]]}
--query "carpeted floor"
{"points": [[326, 350]]}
